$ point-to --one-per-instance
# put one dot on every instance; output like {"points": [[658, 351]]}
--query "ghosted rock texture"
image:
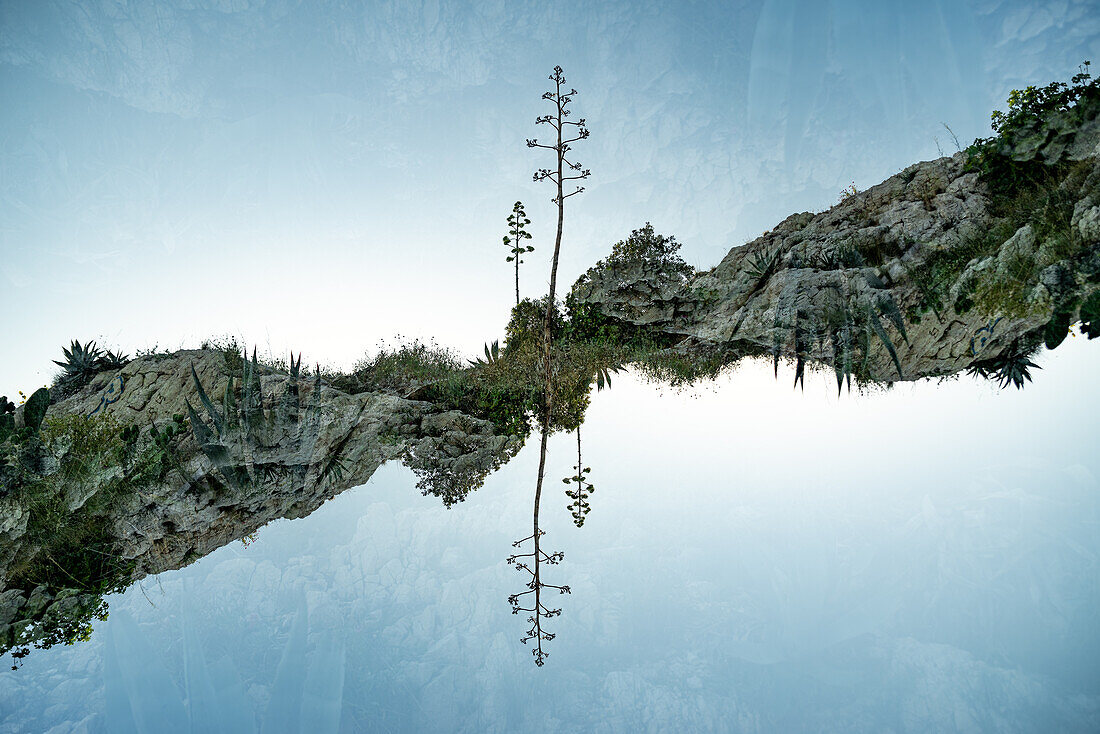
{"points": [[936, 270], [928, 273], [284, 450]]}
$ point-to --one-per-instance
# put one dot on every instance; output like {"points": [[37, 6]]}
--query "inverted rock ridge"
{"points": [[936, 270]]}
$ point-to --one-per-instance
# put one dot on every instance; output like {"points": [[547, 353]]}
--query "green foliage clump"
{"points": [[68, 476], [1090, 316], [1028, 106], [643, 247], [524, 330], [402, 369], [82, 363], [1011, 367], [231, 348], [1006, 161]]}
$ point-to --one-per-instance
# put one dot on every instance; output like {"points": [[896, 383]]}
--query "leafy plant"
{"points": [[492, 354], [1028, 104], [165, 445], [762, 263], [1029, 113], [1090, 316], [7, 417], [603, 375], [517, 220], [80, 365], [1011, 367], [112, 360], [654, 252], [34, 410]]}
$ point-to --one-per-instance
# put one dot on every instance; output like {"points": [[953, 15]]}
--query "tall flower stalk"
{"points": [[515, 237], [566, 132]]}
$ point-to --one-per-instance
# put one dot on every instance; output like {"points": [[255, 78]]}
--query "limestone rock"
{"points": [[281, 453], [891, 268]]}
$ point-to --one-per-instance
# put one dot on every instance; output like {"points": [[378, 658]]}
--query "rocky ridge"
{"points": [[888, 283], [305, 443], [929, 273]]}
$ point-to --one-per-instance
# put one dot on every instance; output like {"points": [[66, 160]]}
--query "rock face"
{"points": [[905, 280], [935, 270], [278, 450]]}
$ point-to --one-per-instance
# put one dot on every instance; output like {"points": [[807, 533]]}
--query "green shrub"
{"points": [[644, 247]]}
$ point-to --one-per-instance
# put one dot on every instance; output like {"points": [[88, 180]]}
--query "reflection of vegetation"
{"points": [[579, 507], [1011, 367], [530, 563], [844, 328], [67, 474]]}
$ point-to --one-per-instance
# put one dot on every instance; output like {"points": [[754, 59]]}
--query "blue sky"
{"points": [[320, 176]]}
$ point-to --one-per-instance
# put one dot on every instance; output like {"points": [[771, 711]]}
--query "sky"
{"points": [[924, 559], [322, 176]]}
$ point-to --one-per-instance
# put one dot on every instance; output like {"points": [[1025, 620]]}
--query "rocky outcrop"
{"points": [[938, 269], [926, 274], [276, 446]]}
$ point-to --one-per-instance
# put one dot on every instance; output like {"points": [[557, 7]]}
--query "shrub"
{"points": [[643, 247]]}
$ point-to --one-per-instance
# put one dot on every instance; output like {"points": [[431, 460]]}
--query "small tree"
{"points": [[515, 237]]}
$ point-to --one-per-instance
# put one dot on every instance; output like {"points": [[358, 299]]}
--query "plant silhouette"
{"points": [[515, 237], [564, 170]]}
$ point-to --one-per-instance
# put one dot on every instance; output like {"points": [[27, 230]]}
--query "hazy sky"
{"points": [[324, 175]]}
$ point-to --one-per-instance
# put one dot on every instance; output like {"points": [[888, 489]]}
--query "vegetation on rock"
{"points": [[863, 298]]}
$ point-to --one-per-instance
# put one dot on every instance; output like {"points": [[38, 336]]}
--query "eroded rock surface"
{"points": [[911, 265], [280, 453]]}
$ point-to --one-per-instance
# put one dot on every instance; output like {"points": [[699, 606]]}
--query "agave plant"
{"points": [[492, 355], [239, 439], [112, 360], [603, 375], [80, 365], [578, 506], [1012, 367], [762, 263]]}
